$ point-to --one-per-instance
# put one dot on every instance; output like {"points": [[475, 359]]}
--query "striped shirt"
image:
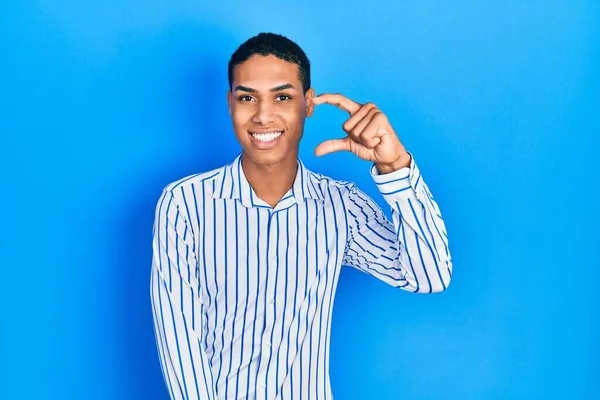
{"points": [[242, 292]]}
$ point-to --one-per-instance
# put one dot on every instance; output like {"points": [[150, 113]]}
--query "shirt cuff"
{"points": [[401, 183]]}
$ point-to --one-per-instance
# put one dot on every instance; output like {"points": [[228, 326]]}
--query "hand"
{"points": [[370, 135]]}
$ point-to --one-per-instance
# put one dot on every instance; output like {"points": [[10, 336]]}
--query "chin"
{"points": [[269, 154], [266, 157]]}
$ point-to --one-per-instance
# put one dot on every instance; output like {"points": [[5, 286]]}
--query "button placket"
{"points": [[272, 246], [268, 313]]}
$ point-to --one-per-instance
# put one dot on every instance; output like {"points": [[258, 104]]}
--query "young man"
{"points": [[246, 257]]}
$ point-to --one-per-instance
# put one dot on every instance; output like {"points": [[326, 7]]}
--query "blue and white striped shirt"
{"points": [[242, 293]]}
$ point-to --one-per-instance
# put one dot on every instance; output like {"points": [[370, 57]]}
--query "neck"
{"points": [[270, 182]]}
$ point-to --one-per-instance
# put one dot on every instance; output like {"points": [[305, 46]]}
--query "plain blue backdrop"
{"points": [[102, 105]]}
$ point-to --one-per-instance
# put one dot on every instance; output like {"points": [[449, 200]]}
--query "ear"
{"points": [[310, 107], [229, 101]]}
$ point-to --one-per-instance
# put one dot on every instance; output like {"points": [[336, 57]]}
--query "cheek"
{"points": [[240, 117], [293, 114]]}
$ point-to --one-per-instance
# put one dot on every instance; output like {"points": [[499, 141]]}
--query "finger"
{"points": [[360, 125], [354, 120], [364, 122], [333, 145], [337, 100], [371, 143], [370, 137], [358, 128]]}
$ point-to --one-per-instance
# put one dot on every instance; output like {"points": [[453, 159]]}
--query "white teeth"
{"points": [[266, 137]]}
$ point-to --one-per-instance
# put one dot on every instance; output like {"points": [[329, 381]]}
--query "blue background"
{"points": [[102, 105]]}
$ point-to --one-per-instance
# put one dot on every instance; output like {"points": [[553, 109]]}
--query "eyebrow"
{"points": [[275, 89]]}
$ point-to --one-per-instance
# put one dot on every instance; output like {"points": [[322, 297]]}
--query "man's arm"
{"points": [[410, 253], [175, 302]]}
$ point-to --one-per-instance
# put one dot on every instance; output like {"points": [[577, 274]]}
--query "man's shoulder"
{"points": [[326, 183], [192, 182]]}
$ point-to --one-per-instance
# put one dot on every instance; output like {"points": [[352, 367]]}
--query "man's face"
{"points": [[268, 107]]}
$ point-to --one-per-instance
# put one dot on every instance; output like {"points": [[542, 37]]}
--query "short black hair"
{"points": [[274, 44]]}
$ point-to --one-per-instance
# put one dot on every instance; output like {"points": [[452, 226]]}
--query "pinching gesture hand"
{"points": [[370, 135]]}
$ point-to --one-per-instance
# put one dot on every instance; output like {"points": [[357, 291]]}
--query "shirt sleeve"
{"points": [[175, 305], [410, 252]]}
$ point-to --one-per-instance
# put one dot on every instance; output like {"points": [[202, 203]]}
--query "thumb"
{"points": [[333, 145]]}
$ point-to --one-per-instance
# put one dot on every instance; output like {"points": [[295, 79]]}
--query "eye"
{"points": [[245, 98], [283, 97]]}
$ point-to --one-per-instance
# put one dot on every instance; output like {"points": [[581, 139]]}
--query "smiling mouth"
{"points": [[266, 137]]}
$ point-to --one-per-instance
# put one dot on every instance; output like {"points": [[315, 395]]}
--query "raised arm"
{"points": [[412, 251]]}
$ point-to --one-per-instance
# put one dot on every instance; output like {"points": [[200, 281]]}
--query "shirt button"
{"points": [[273, 257], [262, 386], [272, 301]]}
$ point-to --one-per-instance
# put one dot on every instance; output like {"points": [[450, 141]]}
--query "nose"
{"points": [[264, 114]]}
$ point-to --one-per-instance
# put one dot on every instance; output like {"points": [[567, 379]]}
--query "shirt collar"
{"points": [[231, 183]]}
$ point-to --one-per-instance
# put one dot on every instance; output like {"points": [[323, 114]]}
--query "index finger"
{"points": [[339, 101]]}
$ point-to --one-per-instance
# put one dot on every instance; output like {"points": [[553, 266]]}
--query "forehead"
{"points": [[265, 72]]}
